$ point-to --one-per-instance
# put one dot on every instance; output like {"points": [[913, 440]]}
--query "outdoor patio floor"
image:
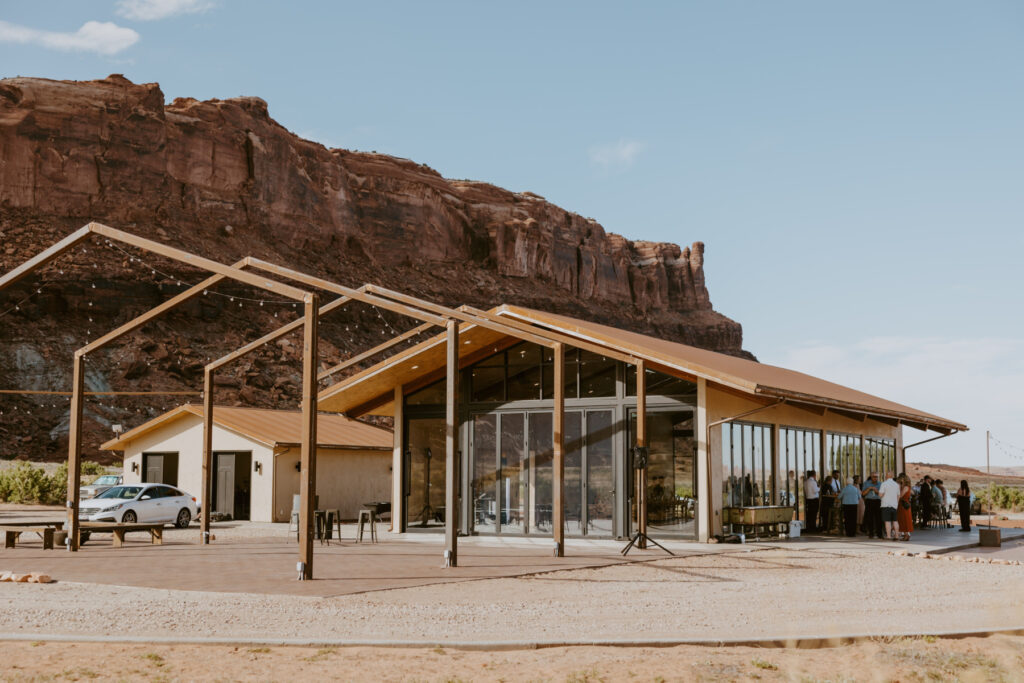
{"points": [[267, 564]]}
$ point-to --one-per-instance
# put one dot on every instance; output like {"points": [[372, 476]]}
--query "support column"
{"points": [[398, 473], [206, 494], [307, 480], [778, 476], [900, 455], [75, 449], [709, 499], [558, 452], [641, 442], [451, 473]]}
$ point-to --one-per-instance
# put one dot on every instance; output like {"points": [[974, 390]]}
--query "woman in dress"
{"points": [[963, 504], [903, 514]]}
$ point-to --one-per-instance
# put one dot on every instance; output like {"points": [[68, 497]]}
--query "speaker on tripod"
{"points": [[640, 538]]}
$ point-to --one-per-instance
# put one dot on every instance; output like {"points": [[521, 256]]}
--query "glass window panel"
{"points": [[484, 473], [432, 395], [541, 460], [514, 480], [600, 476], [524, 372], [487, 384], [660, 384], [671, 471], [597, 375], [574, 472]]}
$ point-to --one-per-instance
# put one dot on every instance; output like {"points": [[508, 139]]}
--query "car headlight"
{"points": [[116, 507]]}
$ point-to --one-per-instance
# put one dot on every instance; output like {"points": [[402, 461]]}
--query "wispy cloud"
{"points": [[152, 10], [616, 155], [972, 380], [101, 37]]}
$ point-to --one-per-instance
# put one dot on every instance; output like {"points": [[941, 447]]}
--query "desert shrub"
{"points": [[26, 483], [1001, 497]]}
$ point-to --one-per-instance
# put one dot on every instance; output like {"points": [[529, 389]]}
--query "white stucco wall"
{"points": [[345, 480]]}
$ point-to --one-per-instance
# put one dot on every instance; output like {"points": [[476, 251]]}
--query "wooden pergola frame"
{"points": [[221, 272], [428, 313]]}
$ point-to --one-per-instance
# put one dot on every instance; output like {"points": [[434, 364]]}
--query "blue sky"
{"points": [[854, 169]]}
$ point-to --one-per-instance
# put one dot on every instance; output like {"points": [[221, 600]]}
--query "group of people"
{"points": [[879, 509]]}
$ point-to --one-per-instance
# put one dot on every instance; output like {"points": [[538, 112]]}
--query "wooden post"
{"points": [[558, 452], [307, 457], [398, 473], [75, 448], [641, 441], [451, 473], [206, 494]]}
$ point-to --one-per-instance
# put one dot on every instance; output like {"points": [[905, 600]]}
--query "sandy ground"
{"points": [[771, 593], [997, 658]]}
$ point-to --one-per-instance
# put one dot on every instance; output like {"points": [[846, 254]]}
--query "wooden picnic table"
{"points": [[45, 529]]}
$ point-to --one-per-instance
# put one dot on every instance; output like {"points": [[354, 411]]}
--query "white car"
{"points": [[143, 503]]}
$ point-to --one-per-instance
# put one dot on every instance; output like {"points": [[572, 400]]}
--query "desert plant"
{"points": [[1001, 497]]}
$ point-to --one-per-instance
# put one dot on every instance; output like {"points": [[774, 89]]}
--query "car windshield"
{"points": [[106, 480], [122, 492]]}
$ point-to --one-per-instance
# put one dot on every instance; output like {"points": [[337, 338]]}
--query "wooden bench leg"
{"points": [[118, 538], [48, 539], [10, 539], [157, 536]]}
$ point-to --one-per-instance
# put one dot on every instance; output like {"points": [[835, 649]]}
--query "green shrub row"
{"points": [[26, 483], [1001, 497]]}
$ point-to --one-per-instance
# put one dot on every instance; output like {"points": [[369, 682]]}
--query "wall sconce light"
{"points": [[298, 466], [257, 467], [135, 468]]}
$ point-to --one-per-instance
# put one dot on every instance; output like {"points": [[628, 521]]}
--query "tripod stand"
{"points": [[640, 539]]}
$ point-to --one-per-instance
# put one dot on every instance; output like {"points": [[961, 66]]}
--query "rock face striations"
{"points": [[224, 179]]}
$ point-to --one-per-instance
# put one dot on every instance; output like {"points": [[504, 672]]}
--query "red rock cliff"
{"points": [[224, 179]]}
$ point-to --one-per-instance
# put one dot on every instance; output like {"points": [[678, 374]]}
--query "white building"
{"points": [[256, 459]]}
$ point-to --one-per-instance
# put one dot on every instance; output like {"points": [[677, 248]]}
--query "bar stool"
{"points": [[367, 516], [333, 522]]}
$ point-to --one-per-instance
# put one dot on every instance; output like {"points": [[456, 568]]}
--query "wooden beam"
{"points": [[75, 449], [206, 264], [44, 257], [467, 314], [451, 474], [558, 452], [374, 351], [641, 441], [567, 340], [152, 313], [307, 482], [358, 295]]}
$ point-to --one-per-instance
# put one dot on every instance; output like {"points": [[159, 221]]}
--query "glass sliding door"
{"points": [[484, 473], [425, 465], [514, 487], [541, 455], [600, 484], [671, 471], [573, 440]]}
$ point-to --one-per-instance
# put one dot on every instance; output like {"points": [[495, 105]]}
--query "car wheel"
{"points": [[184, 519], [129, 517]]}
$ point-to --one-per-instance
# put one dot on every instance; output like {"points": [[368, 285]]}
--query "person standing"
{"points": [[860, 503], [889, 495], [963, 504], [924, 498], [811, 492], [828, 503], [850, 498], [872, 506], [904, 516]]}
